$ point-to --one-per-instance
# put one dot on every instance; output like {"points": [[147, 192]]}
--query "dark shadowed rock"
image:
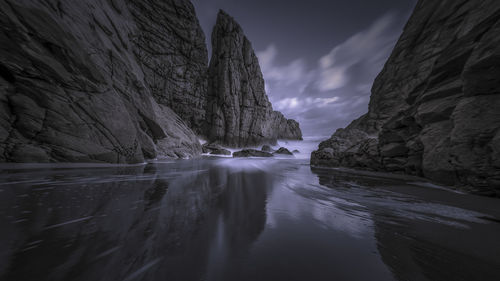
{"points": [[252, 153], [210, 146], [215, 149], [434, 107], [283, 151], [266, 148], [221, 151], [173, 56], [239, 113], [88, 81]]}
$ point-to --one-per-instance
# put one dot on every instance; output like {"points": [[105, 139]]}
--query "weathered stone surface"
{"points": [[251, 153], [173, 55], [215, 149], [283, 151], [434, 107], [239, 113], [221, 151], [79, 79], [210, 146]]}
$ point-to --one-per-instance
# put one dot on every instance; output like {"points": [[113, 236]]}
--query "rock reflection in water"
{"points": [[239, 219], [128, 223], [424, 233]]}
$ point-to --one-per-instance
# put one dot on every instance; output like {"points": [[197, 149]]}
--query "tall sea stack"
{"points": [[239, 112], [435, 107]]}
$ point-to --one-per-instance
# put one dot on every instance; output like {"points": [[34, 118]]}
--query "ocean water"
{"points": [[239, 219]]}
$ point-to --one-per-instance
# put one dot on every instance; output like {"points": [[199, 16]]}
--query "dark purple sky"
{"points": [[319, 58]]}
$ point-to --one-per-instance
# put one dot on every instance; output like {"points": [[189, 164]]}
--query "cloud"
{"points": [[304, 103], [368, 48], [335, 90], [293, 74]]}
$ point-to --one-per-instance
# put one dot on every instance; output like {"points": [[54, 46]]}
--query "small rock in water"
{"points": [[211, 147], [266, 148], [252, 153], [295, 151], [220, 151], [283, 151]]}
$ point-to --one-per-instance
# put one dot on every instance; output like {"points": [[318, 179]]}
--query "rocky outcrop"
{"points": [[434, 107], [286, 129], [239, 113], [283, 151], [122, 81], [251, 153], [81, 80], [214, 149]]}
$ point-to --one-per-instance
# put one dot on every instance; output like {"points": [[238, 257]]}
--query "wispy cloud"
{"points": [[368, 48], [336, 89], [293, 75]]}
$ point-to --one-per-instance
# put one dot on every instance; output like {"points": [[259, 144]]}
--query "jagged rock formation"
{"points": [[434, 109], [115, 81], [239, 113]]}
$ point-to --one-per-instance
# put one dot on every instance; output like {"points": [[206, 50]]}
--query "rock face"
{"points": [[120, 81], [77, 85], [434, 109], [239, 113], [172, 52]]}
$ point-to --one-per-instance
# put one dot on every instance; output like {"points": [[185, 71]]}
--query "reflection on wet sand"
{"points": [[239, 219], [425, 234], [128, 223]]}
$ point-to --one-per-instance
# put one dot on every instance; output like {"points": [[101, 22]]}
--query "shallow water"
{"points": [[239, 219]]}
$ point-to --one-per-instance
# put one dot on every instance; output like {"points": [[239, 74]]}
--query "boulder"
{"points": [[221, 151], [251, 153], [283, 151]]}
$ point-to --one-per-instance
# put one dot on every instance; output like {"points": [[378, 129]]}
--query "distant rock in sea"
{"points": [[251, 153], [434, 109], [283, 151]]}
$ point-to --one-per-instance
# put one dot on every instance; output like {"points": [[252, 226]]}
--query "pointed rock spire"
{"points": [[239, 112]]}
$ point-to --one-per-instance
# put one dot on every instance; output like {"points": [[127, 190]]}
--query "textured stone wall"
{"points": [[76, 85]]}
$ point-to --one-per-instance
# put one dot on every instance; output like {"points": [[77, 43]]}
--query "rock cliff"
{"points": [[239, 113], [114, 81], [434, 109], [77, 85]]}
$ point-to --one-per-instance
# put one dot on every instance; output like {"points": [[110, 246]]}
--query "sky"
{"points": [[319, 58]]}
